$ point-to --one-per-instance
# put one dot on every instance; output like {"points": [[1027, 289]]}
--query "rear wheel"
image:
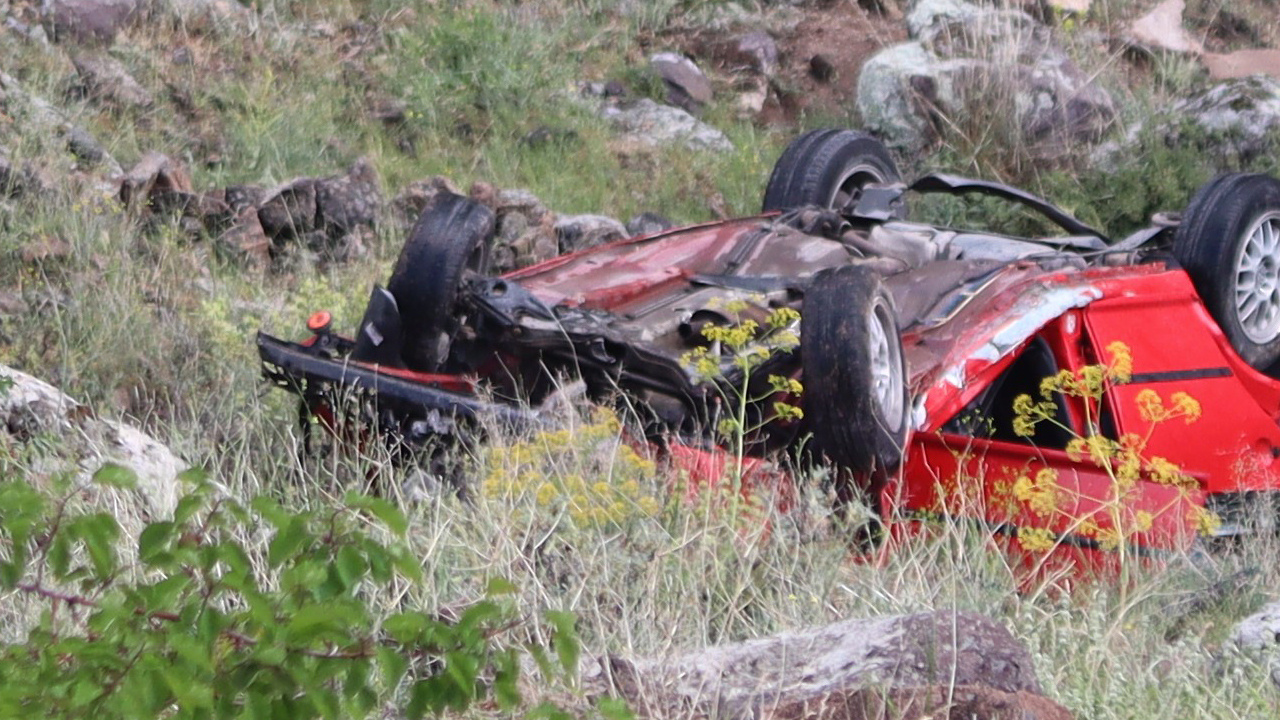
{"points": [[1229, 243], [828, 168], [451, 238], [855, 391]]}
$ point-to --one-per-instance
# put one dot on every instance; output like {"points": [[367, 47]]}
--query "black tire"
{"points": [[1229, 243], [855, 394], [827, 168], [451, 237]]}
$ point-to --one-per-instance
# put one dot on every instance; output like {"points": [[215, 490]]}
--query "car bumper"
{"points": [[298, 368]]}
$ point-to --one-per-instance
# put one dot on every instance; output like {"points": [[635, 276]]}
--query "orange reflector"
{"points": [[319, 321]]}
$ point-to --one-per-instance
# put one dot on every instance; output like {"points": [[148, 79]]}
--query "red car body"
{"points": [[976, 332]]}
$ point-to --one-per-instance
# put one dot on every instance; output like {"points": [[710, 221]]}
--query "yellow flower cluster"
{"points": [[1036, 539], [589, 476], [1040, 493], [1181, 405], [744, 342], [1123, 459]]}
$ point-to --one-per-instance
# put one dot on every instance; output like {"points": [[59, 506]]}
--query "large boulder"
{"points": [[87, 20], [939, 664], [31, 408], [973, 64], [1230, 126], [1258, 636]]}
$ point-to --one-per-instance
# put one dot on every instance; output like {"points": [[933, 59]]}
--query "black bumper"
{"points": [[294, 367]]}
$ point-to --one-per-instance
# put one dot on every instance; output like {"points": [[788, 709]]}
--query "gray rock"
{"points": [[647, 223], [648, 123], [289, 210], [970, 63], [409, 204], [105, 80], [576, 232], [1258, 636], [883, 660], [87, 20], [345, 203], [760, 50], [1233, 124], [86, 147], [1242, 116], [32, 407], [687, 86]]}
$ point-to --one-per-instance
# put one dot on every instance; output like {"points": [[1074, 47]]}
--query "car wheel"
{"points": [[451, 237], [828, 168], [855, 391], [1229, 243]]}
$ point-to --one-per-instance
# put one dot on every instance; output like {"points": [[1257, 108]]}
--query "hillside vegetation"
{"points": [[143, 318]]}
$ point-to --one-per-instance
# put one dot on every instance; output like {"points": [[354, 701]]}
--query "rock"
{"points": [[972, 64], [154, 173], [759, 50], [917, 661], [926, 15], [577, 232], [1072, 6], [409, 204], [1242, 63], [1162, 29], [648, 223], [85, 146], [31, 407], [245, 241], [31, 33], [44, 249], [1259, 636], [239, 197], [87, 20], [1239, 120], [821, 68], [347, 202], [647, 123], [289, 210], [687, 86], [106, 80]]}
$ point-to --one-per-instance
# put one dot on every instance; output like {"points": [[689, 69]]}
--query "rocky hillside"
{"points": [[178, 174]]}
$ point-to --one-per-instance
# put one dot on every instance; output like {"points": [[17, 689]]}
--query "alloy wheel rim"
{"points": [[1257, 279], [886, 366], [849, 189]]}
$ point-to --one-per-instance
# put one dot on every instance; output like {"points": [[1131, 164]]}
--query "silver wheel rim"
{"points": [[886, 366], [849, 188], [1257, 279]]}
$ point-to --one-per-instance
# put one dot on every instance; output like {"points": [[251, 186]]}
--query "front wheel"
{"points": [[855, 390], [1229, 243]]}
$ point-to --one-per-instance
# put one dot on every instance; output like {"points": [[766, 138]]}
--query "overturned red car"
{"points": [[1076, 390]]}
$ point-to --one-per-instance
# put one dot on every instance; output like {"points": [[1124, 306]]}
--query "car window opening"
{"points": [[990, 415]]}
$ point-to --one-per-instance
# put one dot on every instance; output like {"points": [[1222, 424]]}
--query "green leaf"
{"points": [[500, 586], [393, 665], [154, 539], [350, 564], [60, 555], [565, 639], [419, 698], [288, 540], [382, 509], [614, 709], [405, 627], [118, 476]]}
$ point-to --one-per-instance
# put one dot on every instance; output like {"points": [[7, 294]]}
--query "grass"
{"points": [[154, 326]]}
